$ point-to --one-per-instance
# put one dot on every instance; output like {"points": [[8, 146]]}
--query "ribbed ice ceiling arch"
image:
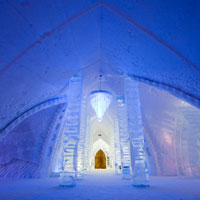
{"points": [[43, 44]]}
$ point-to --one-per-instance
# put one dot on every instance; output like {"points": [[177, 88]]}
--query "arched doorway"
{"points": [[100, 160]]}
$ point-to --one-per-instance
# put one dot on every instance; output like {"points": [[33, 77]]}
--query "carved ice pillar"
{"points": [[117, 147], [88, 146], [81, 146], [71, 132], [140, 176], [124, 138], [112, 150]]}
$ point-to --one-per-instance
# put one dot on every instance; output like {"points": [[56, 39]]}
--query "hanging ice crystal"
{"points": [[100, 101]]}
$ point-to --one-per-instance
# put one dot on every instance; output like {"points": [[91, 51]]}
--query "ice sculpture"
{"points": [[135, 128], [71, 133]]}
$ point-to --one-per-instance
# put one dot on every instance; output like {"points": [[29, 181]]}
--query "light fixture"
{"points": [[100, 101]]}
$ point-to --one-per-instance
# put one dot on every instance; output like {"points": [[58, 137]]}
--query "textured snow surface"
{"points": [[102, 186], [21, 150], [43, 43]]}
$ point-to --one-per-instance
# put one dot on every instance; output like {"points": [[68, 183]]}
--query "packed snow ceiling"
{"points": [[44, 43]]}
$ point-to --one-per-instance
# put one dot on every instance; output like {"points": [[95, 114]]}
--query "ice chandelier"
{"points": [[100, 101]]}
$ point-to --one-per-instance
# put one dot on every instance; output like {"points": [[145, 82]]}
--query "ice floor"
{"points": [[101, 186]]}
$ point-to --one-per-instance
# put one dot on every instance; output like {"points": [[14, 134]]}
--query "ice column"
{"points": [[117, 147], [71, 132], [112, 150], [87, 144], [140, 176], [82, 140], [124, 138]]}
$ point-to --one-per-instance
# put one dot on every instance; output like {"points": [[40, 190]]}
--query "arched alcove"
{"points": [[100, 160], [97, 146]]}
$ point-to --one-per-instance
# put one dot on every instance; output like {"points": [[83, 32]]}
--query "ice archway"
{"points": [[99, 145]]}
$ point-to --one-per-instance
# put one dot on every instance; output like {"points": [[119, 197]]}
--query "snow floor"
{"points": [[101, 186]]}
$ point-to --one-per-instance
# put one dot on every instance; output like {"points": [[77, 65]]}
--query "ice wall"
{"points": [[187, 140], [21, 149], [172, 128]]}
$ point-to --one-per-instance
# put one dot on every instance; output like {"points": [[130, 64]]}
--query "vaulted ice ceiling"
{"points": [[43, 43]]}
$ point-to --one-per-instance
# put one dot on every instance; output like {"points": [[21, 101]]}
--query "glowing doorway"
{"points": [[100, 160]]}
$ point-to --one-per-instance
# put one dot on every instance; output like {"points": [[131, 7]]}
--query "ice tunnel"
{"points": [[100, 88]]}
